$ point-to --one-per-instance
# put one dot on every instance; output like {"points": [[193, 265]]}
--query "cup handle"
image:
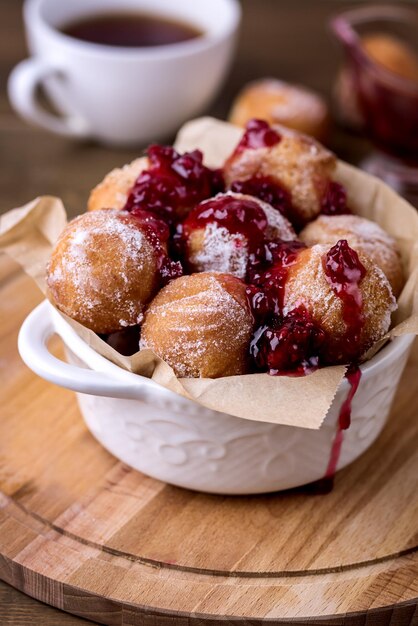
{"points": [[33, 338], [22, 86]]}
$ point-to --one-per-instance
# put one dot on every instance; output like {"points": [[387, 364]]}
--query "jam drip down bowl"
{"points": [[173, 439]]}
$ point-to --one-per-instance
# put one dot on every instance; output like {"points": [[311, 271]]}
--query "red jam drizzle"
{"points": [[344, 271], [325, 485], [269, 273], [247, 218], [238, 216], [157, 233], [244, 217], [267, 189], [289, 347], [353, 376], [173, 183], [258, 134], [334, 201], [296, 343]]}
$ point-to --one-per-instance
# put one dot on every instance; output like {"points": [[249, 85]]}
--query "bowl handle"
{"points": [[34, 334]]}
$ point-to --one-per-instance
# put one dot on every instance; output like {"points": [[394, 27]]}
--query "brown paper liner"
{"points": [[27, 235]]}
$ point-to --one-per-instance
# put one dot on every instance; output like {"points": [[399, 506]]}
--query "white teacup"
{"points": [[117, 95]]}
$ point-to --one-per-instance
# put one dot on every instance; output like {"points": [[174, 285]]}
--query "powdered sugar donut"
{"points": [[364, 236], [103, 270], [200, 325], [346, 294], [220, 234], [295, 164], [279, 102]]}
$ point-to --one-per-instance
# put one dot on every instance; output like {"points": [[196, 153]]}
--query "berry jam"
{"points": [[285, 252], [334, 201], [267, 189], [353, 376], [258, 134], [247, 218], [291, 346], [155, 229], [244, 217], [269, 273], [238, 216], [344, 271], [157, 233], [173, 183]]}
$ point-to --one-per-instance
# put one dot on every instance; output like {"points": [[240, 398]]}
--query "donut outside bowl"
{"points": [[173, 439]]}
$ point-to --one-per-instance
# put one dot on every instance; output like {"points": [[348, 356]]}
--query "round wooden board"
{"points": [[84, 533]]}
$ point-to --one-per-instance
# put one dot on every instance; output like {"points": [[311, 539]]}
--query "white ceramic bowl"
{"points": [[176, 440]]}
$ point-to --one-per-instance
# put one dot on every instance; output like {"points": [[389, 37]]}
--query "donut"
{"points": [[200, 325], [364, 236], [220, 234], [103, 270], [113, 190], [278, 102], [346, 294], [277, 159]]}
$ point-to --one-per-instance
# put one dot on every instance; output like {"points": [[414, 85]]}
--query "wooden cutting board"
{"points": [[84, 533]]}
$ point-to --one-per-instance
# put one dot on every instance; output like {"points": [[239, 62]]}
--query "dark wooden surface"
{"points": [[284, 38]]}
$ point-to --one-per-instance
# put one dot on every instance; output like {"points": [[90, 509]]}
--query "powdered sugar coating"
{"points": [[307, 285], [364, 236], [279, 226], [102, 270], [214, 248], [200, 325]]}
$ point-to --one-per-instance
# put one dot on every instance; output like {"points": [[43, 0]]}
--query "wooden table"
{"points": [[287, 39]]}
